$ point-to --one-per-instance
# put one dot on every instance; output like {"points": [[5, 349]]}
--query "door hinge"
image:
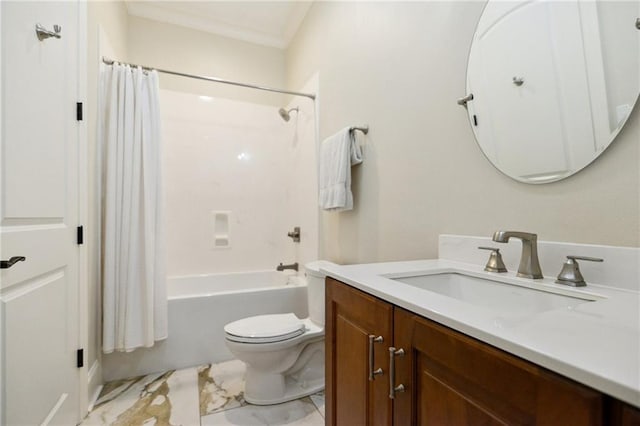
{"points": [[79, 111], [80, 358], [80, 235]]}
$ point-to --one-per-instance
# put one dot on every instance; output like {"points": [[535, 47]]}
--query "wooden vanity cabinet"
{"points": [[351, 317], [448, 377]]}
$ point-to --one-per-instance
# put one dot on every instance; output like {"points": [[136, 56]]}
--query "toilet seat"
{"points": [[265, 328]]}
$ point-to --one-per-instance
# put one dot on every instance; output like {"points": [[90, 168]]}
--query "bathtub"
{"points": [[199, 307]]}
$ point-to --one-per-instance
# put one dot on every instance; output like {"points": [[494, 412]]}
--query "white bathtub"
{"points": [[199, 307], [189, 286]]}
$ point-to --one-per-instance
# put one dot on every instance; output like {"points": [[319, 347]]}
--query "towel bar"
{"points": [[363, 129]]}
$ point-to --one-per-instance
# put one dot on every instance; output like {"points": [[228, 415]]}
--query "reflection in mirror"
{"points": [[553, 82]]}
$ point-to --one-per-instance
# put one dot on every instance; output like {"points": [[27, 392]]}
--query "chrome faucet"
{"points": [[295, 234], [282, 267], [529, 264]]}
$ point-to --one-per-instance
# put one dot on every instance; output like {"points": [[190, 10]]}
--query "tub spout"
{"points": [[282, 267]]}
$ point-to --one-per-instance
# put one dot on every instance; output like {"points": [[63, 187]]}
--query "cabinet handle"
{"points": [[373, 373], [392, 372]]}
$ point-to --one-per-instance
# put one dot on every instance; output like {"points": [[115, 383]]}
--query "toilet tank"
{"points": [[315, 290]]}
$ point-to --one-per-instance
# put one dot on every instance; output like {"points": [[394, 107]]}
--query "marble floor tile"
{"points": [[169, 398], [207, 395], [318, 401], [221, 386], [301, 412], [183, 396]]}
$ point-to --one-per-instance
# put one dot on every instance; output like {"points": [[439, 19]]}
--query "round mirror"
{"points": [[551, 83]]}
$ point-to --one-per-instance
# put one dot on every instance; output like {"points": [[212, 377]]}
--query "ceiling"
{"points": [[269, 23]]}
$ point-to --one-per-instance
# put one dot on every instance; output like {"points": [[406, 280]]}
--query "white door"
{"points": [[39, 214]]}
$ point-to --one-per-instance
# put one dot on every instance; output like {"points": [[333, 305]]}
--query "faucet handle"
{"points": [[570, 273], [295, 234], [495, 263], [590, 259]]}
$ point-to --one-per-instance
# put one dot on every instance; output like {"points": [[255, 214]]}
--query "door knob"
{"points": [[6, 264]]}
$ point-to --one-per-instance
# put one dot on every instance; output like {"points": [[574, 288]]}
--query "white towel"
{"points": [[337, 154]]}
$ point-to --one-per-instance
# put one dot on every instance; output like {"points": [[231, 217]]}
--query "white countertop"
{"points": [[595, 343]]}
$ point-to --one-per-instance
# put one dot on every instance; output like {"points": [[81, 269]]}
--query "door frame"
{"points": [[2, 393], [83, 211]]}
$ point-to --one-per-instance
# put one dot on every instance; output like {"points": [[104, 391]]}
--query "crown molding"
{"points": [[156, 12]]}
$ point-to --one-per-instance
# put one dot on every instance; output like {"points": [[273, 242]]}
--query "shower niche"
{"points": [[221, 233]]}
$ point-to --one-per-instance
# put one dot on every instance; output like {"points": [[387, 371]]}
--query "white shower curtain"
{"points": [[134, 282]]}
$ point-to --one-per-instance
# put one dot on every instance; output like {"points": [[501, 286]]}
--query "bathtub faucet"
{"points": [[282, 267]]}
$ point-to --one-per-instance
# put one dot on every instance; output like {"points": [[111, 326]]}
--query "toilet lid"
{"points": [[265, 328]]}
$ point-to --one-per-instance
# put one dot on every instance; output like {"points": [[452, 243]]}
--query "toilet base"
{"points": [[293, 390], [304, 378]]}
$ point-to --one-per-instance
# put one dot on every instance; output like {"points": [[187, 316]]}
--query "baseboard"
{"points": [[95, 383]]}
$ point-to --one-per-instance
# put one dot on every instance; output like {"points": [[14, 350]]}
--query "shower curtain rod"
{"points": [[110, 61]]}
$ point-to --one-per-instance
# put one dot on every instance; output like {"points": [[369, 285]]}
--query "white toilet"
{"points": [[284, 354]]}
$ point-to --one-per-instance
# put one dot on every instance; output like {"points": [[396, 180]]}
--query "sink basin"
{"points": [[502, 298]]}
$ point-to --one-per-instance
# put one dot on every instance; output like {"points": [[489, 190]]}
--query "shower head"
{"points": [[286, 115]]}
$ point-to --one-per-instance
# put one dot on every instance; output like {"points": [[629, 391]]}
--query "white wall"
{"points": [[205, 174], [185, 50], [226, 155], [301, 204], [400, 66]]}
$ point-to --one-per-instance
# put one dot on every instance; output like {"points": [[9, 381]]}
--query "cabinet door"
{"points": [[621, 414], [452, 379], [351, 316]]}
